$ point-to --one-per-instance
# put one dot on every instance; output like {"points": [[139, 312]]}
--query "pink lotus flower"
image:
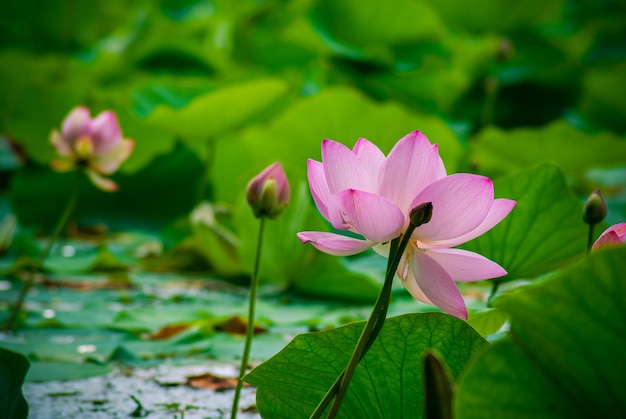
{"points": [[268, 192], [366, 193], [95, 145], [611, 237]]}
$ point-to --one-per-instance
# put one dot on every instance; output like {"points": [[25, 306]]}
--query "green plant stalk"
{"points": [[32, 272], [370, 328], [590, 238], [370, 331], [381, 313], [250, 329]]}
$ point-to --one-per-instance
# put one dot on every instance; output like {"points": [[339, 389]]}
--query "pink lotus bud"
{"points": [[94, 145], [268, 193]]}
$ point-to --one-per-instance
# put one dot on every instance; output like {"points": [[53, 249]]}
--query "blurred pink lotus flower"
{"points": [[366, 193], [268, 192], [611, 237], [94, 145]]}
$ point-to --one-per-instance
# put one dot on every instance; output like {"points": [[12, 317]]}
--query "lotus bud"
{"points": [[595, 209], [421, 214], [268, 193], [439, 391]]}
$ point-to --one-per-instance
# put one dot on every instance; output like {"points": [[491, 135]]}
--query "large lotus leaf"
{"points": [[604, 96], [150, 142], [294, 44], [51, 26], [349, 24], [218, 111], [167, 90], [565, 354], [162, 45], [434, 75], [434, 86], [34, 105], [388, 383], [194, 36], [543, 232], [497, 15], [498, 151]]}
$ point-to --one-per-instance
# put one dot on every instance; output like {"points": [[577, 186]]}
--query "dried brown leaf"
{"points": [[238, 326], [168, 331], [212, 382]]}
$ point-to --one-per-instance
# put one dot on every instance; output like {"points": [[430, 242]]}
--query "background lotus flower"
{"points": [[366, 193], [268, 193], [611, 237], [95, 145]]}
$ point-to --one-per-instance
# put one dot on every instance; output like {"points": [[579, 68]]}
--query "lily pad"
{"points": [[500, 151], [64, 371], [234, 104], [361, 31]]}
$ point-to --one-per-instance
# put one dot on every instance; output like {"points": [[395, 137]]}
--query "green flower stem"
{"points": [[370, 331], [32, 272], [328, 397], [590, 238], [370, 326], [250, 329]]}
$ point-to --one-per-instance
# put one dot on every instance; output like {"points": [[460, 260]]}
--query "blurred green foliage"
{"points": [[212, 91], [231, 81]]}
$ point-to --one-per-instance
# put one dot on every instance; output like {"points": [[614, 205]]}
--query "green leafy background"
{"points": [[212, 91]]}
